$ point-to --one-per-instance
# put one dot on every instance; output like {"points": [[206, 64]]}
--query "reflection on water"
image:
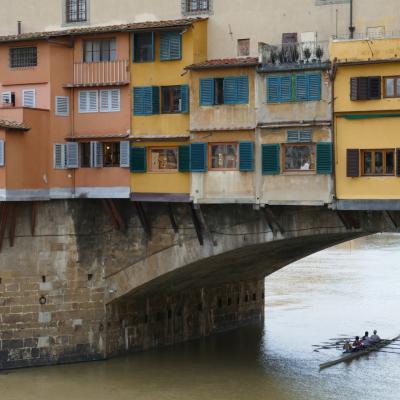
{"points": [[346, 290]]}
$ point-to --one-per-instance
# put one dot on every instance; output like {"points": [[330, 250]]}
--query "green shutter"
{"points": [[184, 158], [324, 158], [146, 100], [314, 87], [185, 98], [198, 157], [170, 46], [246, 156], [155, 100], [285, 86], [207, 92], [302, 87], [273, 92], [138, 159], [230, 90], [243, 89], [270, 159]]}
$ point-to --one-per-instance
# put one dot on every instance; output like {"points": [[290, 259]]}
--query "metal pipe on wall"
{"points": [[351, 27]]}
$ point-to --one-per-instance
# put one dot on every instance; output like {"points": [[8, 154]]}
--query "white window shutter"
{"points": [[93, 101], [2, 153], [124, 148], [62, 106], [72, 155], [96, 154], [29, 98], [105, 101], [115, 100], [59, 156], [83, 101], [6, 98]]}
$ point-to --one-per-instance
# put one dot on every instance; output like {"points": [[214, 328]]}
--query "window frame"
{"points": [[210, 145], [170, 88], [162, 171], [373, 151], [135, 39], [114, 163], [75, 17], [298, 144], [23, 57], [395, 87], [112, 49], [198, 8], [81, 156]]}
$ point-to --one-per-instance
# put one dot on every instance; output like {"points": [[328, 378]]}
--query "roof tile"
{"points": [[226, 63], [13, 125]]}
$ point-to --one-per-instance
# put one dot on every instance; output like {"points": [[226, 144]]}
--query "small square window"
{"points": [[197, 5], [299, 157], [23, 57], [224, 156], [164, 159], [392, 86], [243, 47], [75, 11]]}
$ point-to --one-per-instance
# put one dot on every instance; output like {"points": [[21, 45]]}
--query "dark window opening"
{"points": [[85, 155], [171, 99], [146, 319], [111, 154], [169, 314], [365, 88], [76, 10], [143, 45], [44, 279], [197, 5], [200, 307], [229, 301], [23, 57], [99, 50], [219, 91], [219, 303], [246, 298], [378, 162], [90, 277], [254, 297]]}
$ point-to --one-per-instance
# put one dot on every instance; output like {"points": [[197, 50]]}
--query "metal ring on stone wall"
{"points": [[42, 300]]}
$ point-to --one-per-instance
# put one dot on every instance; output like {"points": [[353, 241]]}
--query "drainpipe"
{"points": [[351, 27]]}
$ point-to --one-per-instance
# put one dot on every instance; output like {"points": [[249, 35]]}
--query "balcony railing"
{"points": [[294, 53], [101, 73]]}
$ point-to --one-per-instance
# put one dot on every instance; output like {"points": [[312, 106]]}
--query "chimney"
{"points": [[19, 27]]}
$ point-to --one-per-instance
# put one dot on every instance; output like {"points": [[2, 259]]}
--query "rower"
{"points": [[375, 338], [347, 347], [357, 345], [365, 339]]}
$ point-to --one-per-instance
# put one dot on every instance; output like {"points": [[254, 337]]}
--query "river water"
{"points": [[341, 291]]}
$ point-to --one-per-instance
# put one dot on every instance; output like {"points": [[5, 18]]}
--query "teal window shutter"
{"points": [[270, 159], [146, 100], [324, 158], [273, 92], [185, 98], [184, 158], [207, 91], [198, 157], [230, 90], [155, 100], [246, 156], [138, 101], [153, 46], [170, 46], [133, 47], [314, 87], [243, 89], [138, 159], [285, 95], [302, 92]]}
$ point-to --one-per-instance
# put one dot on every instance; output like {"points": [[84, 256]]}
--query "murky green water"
{"points": [[341, 291]]}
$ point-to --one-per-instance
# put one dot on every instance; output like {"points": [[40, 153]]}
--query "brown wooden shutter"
{"points": [[398, 162], [353, 163], [354, 88], [363, 88], [374, 87]]}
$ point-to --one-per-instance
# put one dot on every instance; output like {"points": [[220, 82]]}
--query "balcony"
{"points": [[293, 56], [105, 73]]}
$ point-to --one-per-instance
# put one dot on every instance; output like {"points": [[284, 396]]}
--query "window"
{"points": [[84, 155], [224, 156], [143, 45], [88, 101], [110, 100], [29, 98], [365, 88], [170, 46], [76, 10], [392, 86], [2, 153], [62, 106], [377, 162], [99, 50], [171, 99], [197, 5], [228, 90], [23, 57], [243, 47], [111, 153], [296, 87], [164, 159], [299, 157], [146, 100]]}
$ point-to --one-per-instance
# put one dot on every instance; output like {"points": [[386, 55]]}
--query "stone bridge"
{"points": [[87, 279]]}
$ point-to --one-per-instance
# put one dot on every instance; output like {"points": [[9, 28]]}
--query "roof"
{"points": [[134, 26], [226, 63], [99, 136], [13, 125]]}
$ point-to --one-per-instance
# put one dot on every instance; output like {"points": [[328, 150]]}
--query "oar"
{"points": [[389, 352]]}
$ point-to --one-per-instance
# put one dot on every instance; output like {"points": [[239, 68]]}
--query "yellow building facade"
{"points": [[367, 123], [161, 108]]}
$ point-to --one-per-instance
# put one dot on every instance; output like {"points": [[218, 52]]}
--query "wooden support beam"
{"points": [[348, 220], [106, 205], [116, 215], [172, 218], [391, 219], [13, 224], [3, 222], [272, 220], [33, 217], [197, 224], [143, 219]]}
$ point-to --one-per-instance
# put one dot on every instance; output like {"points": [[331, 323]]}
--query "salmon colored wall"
{"points": [[160, 182], [2, 169], [27, 153], [42, 93]]}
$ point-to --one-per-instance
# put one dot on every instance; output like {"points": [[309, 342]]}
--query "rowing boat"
{"points": [[356, 354]]}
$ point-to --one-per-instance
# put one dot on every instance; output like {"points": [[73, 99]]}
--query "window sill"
{"points": [[292, 173], [170, 171]]}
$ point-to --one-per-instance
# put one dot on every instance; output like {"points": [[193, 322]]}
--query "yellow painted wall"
{"points": [[168, 73], [342, 87], [380, 133], [160, 182]]}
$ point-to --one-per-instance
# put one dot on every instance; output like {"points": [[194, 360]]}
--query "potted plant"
{"points": [[307, 53], [273, 57], [319, 53], [295, 54]]}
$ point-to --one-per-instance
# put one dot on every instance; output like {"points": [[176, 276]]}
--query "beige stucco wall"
{"points": [[229, 21]]}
